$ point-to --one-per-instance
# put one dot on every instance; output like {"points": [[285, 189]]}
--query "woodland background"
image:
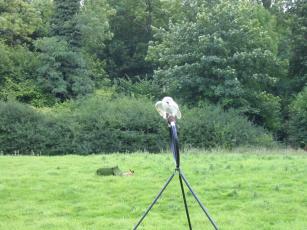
{"points": [[82, 77]]}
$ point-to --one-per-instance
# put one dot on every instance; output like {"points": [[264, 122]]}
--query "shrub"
{"points": [[269, 111], [101, 123], [298, 120], [126, 124], [119, 125], [210, 126], [26, 131]]}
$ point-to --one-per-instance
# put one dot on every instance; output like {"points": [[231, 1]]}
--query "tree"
{"points": [[227, 56], [46, 10], [63, 72], [18, 21], [298, 58], [132, 28], [298, 120], [17, 78], [64, 21], [93, 23]]}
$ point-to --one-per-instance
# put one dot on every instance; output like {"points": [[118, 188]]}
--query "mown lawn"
{"points": [[250, 189]]}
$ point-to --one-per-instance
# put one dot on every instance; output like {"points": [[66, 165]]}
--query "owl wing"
{"points": [[160, 107]]}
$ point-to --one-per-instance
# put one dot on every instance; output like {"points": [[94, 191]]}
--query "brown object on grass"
{"points": [[129, 173]]}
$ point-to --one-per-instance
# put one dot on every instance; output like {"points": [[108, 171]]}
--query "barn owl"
{"points": [[168, 107]]}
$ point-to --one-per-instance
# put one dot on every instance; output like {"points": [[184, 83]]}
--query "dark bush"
{"points": [[119, 125], [210, 126], [298, 120], [124, 124], [23, 130]]}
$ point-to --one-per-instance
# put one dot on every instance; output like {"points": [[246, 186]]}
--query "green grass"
{"points": [[242, 190]]}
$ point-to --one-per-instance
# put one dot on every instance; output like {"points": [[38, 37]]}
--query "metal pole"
{"points": [[155, 200], [199, 202], [185, 202]]}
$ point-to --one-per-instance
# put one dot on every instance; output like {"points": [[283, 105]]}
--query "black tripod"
{"points": [[175, 150]]}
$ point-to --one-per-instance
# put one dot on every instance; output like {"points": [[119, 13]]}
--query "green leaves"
{"points": [[210, 126], [18, 20], [227, 56], [298, 59], [93, 22], [298, 120], [106, 123], [62, 72], [63, 23], [16, 75]]}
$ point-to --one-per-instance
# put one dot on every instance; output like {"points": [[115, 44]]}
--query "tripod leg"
{"points": [[185, 202], [199, 202], [155, 200]]}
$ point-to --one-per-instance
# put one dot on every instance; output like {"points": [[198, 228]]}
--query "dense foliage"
{"points": [[118, 125], [209, 127], [298, 120], [25, 131], [226, 56], [298, 58], [125, 124], [246, 58]]}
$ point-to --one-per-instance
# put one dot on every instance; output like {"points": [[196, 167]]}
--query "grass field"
{"points": [[250, 189]]}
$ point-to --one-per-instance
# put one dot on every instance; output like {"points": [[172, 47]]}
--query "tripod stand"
{"points": [[175, 150]]}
